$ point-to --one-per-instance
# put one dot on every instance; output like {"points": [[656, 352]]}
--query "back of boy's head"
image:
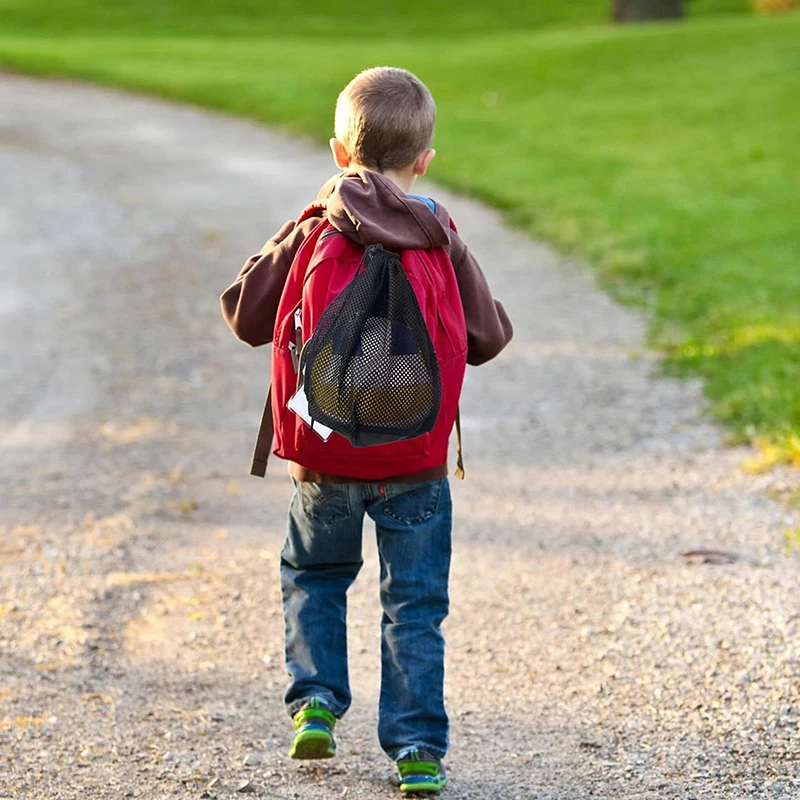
{"points": [[385, 118]]}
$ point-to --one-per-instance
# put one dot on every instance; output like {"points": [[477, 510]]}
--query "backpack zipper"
{"points": [[300, 367]]}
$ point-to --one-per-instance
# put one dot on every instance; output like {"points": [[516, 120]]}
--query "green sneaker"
{"points": [[420, 772], [313, 732]]}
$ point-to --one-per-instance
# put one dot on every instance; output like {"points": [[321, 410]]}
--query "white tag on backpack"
{"points": [[299, 404]]}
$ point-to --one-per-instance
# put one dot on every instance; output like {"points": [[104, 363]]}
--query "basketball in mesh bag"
{"points": [[370, 371]]}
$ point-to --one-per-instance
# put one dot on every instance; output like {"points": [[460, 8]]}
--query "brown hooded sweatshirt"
{"points": [[369, 209]]}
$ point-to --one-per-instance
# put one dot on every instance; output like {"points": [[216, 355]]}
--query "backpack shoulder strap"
{"points": [[306, 250], [330, 230], [266, 430], [316, 209]]}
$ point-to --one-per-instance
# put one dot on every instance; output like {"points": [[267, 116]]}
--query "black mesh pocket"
{"points": [[369, 370]]}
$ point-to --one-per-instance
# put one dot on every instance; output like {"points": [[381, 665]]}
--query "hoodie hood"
{"points": [[371, 209]]}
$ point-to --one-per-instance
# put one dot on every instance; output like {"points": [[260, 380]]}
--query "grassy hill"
{"points": [[668, 155]]}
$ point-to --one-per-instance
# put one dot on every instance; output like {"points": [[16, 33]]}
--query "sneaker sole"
{"points": [[311, 745], [426, 786]]}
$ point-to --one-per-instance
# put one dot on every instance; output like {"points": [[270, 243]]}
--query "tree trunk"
{"points": [[637, 10]]}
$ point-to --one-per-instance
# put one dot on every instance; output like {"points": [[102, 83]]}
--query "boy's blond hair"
{"points": [[385, 118]]}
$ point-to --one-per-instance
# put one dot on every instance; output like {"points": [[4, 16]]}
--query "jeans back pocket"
{"points": [[412, 503], [324, 502]]}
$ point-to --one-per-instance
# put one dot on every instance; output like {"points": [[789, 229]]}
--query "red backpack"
{"points": [[324, 266]]}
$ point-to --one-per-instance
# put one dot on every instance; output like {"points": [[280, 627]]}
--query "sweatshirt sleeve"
{"points": [[250, 303], [488, 326]]}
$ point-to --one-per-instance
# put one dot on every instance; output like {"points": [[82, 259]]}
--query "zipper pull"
{"points": [[296, 346]]}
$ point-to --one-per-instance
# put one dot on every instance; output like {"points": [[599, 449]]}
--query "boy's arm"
{"points": [[488, 326], [250, 304]]}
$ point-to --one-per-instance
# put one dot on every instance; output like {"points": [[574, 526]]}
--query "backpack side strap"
{"points": [[266, 432], [459, 452]]}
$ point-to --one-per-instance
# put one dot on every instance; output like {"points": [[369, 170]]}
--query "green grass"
{"points": [[383, 18], [668, 155]]}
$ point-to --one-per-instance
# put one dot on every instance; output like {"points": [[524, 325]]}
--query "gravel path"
{"points": [[140, 626]]}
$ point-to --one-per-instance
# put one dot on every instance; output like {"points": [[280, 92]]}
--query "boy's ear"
{"points": [[423, 162], [340, 156]]}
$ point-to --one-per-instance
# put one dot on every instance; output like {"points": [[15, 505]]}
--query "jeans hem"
{"points": [[398, 752], [297, 705]]}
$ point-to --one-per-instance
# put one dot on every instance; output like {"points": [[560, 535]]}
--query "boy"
{"points": [[384, 127]]}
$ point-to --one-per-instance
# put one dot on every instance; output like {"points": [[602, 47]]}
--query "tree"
{"points": [[638, 10]]}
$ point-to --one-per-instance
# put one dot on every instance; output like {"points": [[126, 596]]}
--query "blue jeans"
{"points": [[319, 562]]}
